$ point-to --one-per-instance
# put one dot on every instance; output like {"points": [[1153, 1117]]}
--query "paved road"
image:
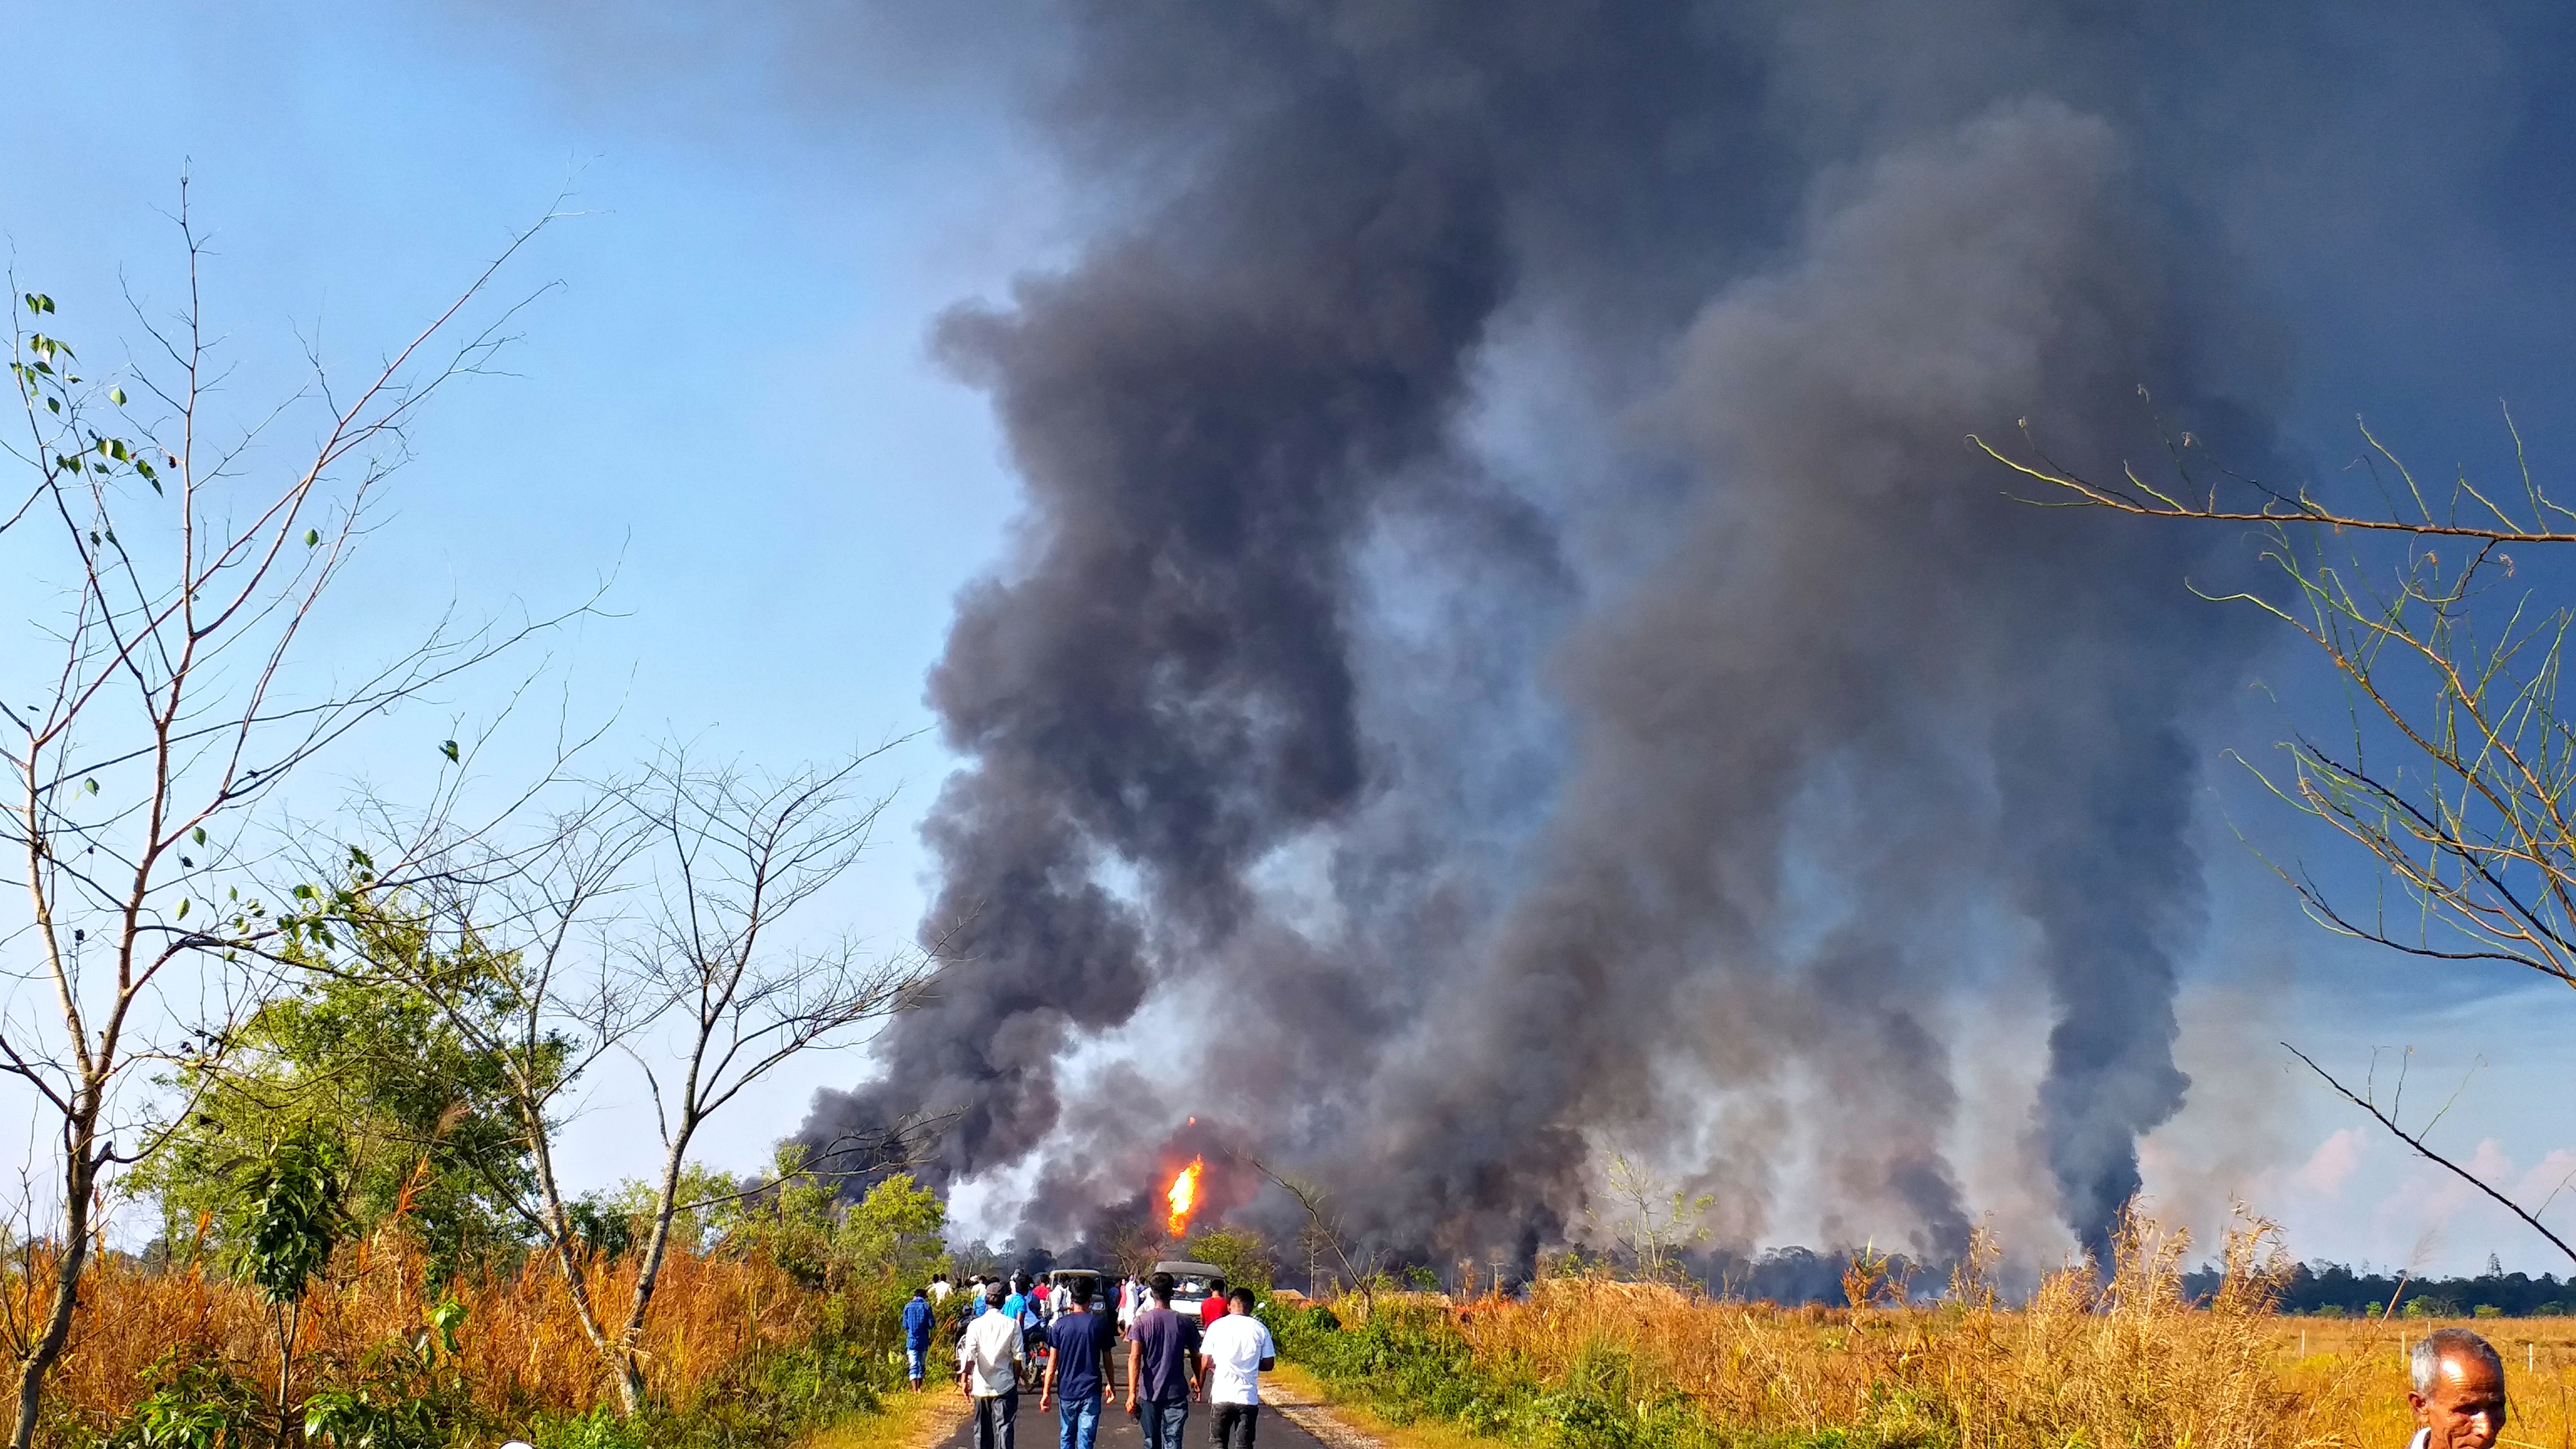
{"points": [[1117, 1431]]}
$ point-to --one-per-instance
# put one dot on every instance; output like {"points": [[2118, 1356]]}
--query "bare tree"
{"points": [[1324, 1232], [2452, 769], [733, 857], [160, 702], [663, 920], [1654, 1219]]}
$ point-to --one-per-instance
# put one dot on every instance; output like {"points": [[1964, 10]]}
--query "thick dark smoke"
{"points": [[1511, 664]]}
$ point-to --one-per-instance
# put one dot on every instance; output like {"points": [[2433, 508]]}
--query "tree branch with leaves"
{"points": [[162, 697]]}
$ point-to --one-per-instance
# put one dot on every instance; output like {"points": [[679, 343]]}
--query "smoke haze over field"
{"points": [[1510, 659], [1470, 639]]}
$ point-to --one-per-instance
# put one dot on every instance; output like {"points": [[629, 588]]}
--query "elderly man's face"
{"points": [[2465, 1409]]}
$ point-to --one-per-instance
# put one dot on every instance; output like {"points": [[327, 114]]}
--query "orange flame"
{"points": [[1184, 1195]]}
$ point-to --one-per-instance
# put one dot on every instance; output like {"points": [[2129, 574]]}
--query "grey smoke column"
{"points": [[1206, 408], [1783, 275], [1992, 695]]}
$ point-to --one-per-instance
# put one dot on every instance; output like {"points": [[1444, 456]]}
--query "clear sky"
{"points": [[724, 401], [727, 404]]}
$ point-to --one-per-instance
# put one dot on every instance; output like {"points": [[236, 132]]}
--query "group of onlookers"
{"points": [[1217, 1355]]}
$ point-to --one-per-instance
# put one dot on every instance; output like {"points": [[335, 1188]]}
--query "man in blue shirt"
{"points": [[1022, 1305], [1162, 1368], [916, 1333], [1078, 1344]]}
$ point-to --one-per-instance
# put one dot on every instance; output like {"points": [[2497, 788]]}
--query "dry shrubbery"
{"points": [[519, 1349], [2128, 1362]]}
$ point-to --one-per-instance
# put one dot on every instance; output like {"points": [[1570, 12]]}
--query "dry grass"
{"points": [[2127, 1363], [521, 1348]]}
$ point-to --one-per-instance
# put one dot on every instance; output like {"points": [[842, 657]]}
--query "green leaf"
{"points": [[183, 908], [116, 395], [90, 785], [449, 750], [198, 835], [312, 536]]}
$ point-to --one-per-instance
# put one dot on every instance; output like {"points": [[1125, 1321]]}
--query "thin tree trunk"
{"points": [[79, 1177], [630, 1367], [558, 1231]]}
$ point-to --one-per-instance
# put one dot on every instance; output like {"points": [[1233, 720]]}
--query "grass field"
{"points": [[737, 1352], [2128, 1364]]}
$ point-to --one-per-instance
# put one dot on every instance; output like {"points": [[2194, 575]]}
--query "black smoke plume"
{"points": [[1510, 663]]}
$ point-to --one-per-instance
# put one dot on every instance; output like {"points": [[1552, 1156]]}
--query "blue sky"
{"points": [[721, 399], [724, 399]]}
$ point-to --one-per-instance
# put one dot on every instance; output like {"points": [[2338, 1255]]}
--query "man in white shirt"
{"points": [[1234, 1352], [988, 1371]]}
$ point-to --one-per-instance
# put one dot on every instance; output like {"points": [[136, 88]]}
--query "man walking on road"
{"points": [[1077, 1366], [988, 1371], [1162, 1368], [1236, 1352], [917, 1316]]}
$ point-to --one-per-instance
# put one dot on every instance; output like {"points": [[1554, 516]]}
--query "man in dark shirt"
{"points": [[1162, 1368], [917, 1315], [1078, 1344]]}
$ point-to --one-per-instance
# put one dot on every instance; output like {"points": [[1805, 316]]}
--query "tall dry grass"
{"points": [[2130, 1363], [521, 1350]]}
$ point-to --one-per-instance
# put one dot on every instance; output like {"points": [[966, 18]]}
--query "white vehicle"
{"points": [[1101, 1287], [1189, 1283]]}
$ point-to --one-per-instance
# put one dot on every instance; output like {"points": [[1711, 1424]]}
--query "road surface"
{"points": [[1284, 1425]]}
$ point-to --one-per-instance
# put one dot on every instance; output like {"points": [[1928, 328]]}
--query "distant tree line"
{"points": [[2332, 1290]]}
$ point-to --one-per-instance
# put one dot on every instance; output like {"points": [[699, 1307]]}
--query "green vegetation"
{"points": [[1409, 1363]]}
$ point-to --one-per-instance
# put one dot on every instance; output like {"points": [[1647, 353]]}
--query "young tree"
{"points": [[1654, 1219], [289, 1216], [1244, 1256], [157, 701], [2452, 769], [1324, 1232], [663, 921], [732, 859], [419, 1119]]}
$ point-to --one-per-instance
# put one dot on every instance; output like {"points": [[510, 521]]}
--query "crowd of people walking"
{"points": [[1216, 1355]]}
